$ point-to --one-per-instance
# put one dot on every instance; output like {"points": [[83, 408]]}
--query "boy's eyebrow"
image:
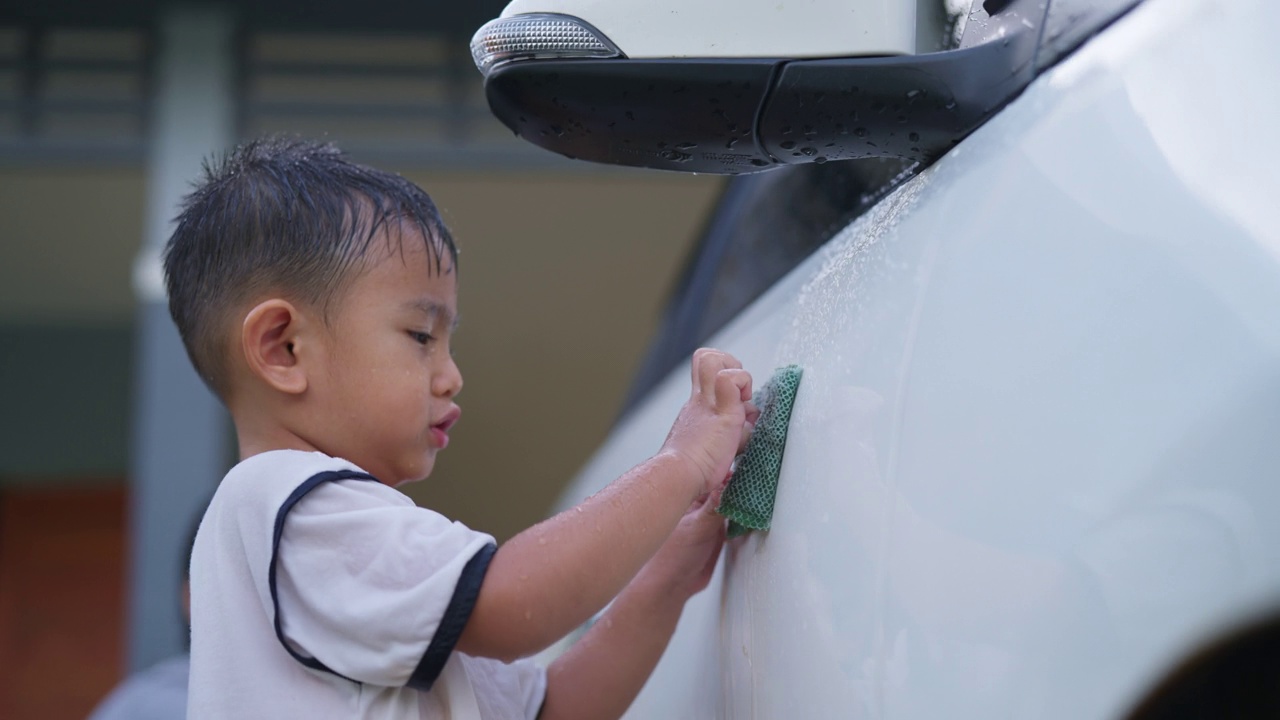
{"points": [[434, 309]]}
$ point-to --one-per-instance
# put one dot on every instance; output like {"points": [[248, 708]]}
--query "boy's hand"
{"points": [[687, 560], [715, 423], [602, 673]]}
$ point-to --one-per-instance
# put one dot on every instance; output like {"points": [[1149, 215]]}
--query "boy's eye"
{"points": [[420, 337]]}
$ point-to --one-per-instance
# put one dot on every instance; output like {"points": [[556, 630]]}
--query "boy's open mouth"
{"points": [[440, 429]]}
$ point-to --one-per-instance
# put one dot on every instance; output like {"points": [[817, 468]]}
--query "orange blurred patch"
{"points": [[62, 564]]}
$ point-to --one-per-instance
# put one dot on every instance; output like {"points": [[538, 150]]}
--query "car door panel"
{"points": [[1031, 460]]}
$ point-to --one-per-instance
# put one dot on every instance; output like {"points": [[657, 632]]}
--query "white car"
{"points": [[1033, 469]]}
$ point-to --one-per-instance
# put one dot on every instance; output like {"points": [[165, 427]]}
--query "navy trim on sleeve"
{"points": [[297, 494], [454, 620]]}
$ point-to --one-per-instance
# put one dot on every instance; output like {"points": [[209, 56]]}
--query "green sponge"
{"points": [[748, 499]]}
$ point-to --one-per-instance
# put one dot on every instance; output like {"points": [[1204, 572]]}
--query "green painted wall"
{"points": [[66, 397]]}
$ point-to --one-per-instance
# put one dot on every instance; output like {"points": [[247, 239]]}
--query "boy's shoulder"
{"points": [[277, 479], [248, 510], [277, 470]]}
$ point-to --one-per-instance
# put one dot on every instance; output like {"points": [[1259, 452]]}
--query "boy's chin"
{"points": [[417, 474]]}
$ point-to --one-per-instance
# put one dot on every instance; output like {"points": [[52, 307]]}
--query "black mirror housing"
{"points": [[731, 116]]}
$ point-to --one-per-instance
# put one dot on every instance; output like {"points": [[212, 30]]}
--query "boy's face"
{"points": [[388, 379]]}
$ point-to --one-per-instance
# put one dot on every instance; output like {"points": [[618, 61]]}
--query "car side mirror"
{"points": [[731, 115]]}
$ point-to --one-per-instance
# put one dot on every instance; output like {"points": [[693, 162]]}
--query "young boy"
{"points": [[318, 299]]}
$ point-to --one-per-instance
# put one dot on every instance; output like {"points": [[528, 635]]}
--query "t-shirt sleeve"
{"points": [[371, 587], [508, 690]]}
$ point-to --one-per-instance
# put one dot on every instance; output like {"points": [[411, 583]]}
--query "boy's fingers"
{"points": [[700, 502], [732, 386], [695, 368], [707, 363], [747, 429], [713, 499], [727, 360]]}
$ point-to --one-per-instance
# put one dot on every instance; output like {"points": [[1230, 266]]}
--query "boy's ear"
{"points": [[269, 338]]}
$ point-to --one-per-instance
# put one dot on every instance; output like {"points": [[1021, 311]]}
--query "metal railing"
{"points": [[83, 97]]}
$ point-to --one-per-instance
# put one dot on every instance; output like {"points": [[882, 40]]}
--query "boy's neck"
{"points": [[256, 435]]}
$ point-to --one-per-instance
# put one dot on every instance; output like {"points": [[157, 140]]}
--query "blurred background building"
{"points": [[109, 446]]}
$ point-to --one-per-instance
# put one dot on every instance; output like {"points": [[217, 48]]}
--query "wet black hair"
{"points": [[283, 215]]}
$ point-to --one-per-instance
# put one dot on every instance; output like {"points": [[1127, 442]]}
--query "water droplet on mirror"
{"points": [[788, 144]]}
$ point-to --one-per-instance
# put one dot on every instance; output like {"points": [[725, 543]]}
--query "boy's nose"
{"points": [[449, 381]]}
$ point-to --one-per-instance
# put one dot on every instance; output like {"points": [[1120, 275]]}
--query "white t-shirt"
{"points": [[318, 592]]}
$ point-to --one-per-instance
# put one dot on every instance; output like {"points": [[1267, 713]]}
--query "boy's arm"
{"points": [[601, 674], [549, 579]]}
